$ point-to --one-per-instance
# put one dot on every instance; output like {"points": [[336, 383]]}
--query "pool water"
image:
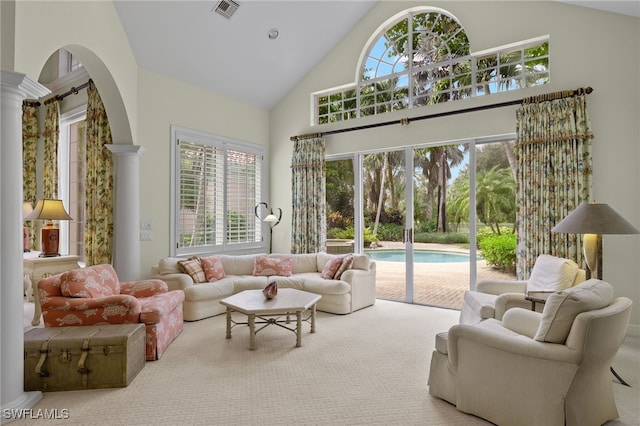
{"points": [[419, 256]]}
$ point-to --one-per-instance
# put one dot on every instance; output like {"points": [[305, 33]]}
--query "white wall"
{"points": [[164, 102], [585, 50]]}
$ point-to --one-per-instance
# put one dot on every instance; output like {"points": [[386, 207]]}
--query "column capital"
{"points": [[30, 89], [118, 149]]}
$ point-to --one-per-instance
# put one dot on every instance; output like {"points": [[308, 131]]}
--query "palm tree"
{"points": [[496, 197]]}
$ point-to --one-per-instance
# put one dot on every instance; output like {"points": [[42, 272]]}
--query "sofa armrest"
{"points": [[501, 286], [522, 321], [506, 301], [176, 281], [143, 288], [514, 346], [86, 303], [363, 286]]}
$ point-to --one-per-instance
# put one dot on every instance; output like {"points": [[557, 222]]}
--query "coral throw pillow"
{"points": [[347, 263], [192, 267], [212, 267], [93, 282], [268, 266], [331, 267]]}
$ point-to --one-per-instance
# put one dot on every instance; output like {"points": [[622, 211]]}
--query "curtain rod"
{"points": [[72, 91], [406, 121]]}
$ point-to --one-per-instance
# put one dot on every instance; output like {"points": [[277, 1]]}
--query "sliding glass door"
{"points": [[384, 207], [421, 213]]}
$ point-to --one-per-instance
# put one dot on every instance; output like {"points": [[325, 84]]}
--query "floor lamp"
{"points": [[271, 219], [594, 220]]}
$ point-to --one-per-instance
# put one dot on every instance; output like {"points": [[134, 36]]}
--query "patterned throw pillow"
{"points": [[269, 266], [331, 267], [213, 269], [192, 267], [347, 263], [93, 282]]}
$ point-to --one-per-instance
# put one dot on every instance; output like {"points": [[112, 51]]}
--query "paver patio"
{"points": [[437, 284]]}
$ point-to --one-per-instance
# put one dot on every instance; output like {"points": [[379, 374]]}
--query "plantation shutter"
{"points": [[219, 185]]}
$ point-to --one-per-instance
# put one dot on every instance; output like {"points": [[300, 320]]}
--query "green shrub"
{"points": [[390, 232], [441, 238], [499, 251], [348, 234]]}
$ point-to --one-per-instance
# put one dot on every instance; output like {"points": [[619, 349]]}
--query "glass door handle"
{"points": [[407, 235]]}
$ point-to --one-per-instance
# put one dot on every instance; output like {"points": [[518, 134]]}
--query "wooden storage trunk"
{"points": [[83, 357]]}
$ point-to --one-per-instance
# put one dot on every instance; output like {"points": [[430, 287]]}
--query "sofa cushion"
{"points": [[193, 267], [331, 267], [304, 262], [238, 265], [169, 265], [269, 266], [212, 267], [347, 263], [207, 291], [552, 273], [361, 261], [92, 282], [319, 285], [562, 308]]}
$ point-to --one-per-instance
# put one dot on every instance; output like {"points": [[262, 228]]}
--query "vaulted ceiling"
{"points": [[190, 42]]}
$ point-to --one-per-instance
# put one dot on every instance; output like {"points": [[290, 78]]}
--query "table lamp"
{"points": [[594, 220], [49, 210]]}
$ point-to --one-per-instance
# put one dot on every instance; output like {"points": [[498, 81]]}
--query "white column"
{"points": [[15, 88], [126, 255]]}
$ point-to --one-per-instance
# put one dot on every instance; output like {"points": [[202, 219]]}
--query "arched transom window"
{"points": [[421, 57]]}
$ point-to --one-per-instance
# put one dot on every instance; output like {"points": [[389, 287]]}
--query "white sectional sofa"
{"points": [[356, 288]]}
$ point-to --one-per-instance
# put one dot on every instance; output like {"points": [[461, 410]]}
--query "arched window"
{"points": [[421, 57]]}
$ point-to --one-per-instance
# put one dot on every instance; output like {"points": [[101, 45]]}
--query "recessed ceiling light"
{"points": [[273, 33]]}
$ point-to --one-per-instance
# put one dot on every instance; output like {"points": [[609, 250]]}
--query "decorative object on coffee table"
{"points": [[271, 290]]}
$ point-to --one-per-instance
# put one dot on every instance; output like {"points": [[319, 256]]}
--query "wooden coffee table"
{"points": [[254, 305]]}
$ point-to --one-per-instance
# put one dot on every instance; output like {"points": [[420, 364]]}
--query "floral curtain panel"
{"points": [[30, 133], [554, 172], [51, 134], [99, 183], [308, 233]]}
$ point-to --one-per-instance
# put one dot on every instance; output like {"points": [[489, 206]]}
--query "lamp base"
{"points": [[50, 237], [49, 255]]}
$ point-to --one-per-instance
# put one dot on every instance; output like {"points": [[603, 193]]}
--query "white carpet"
{"points": [[367, 368]]}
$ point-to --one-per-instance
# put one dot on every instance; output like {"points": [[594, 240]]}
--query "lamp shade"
{"points": [[27, 208], [592, 218], [271, 218], [48, 209]]}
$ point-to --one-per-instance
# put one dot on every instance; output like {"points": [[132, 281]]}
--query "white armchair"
{"points": [[492, 298], [531, 368]]}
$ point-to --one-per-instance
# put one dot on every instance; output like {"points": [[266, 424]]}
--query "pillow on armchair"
{"points": [[564, 306], [552, 273], [94, 282]]}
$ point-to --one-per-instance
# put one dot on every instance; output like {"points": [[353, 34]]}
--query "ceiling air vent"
{"points": [[226, 8]]}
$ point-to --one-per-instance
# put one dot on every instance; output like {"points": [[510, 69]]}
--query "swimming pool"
{"points": [[419, 256]]}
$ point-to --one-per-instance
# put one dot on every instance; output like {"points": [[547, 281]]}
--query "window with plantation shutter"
{"points": [[217, 183]]}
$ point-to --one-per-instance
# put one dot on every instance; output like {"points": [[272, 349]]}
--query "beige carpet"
{"points": [[367, 368]]}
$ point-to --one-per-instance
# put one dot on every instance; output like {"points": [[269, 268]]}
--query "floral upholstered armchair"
{"points": [[95, 295]]}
